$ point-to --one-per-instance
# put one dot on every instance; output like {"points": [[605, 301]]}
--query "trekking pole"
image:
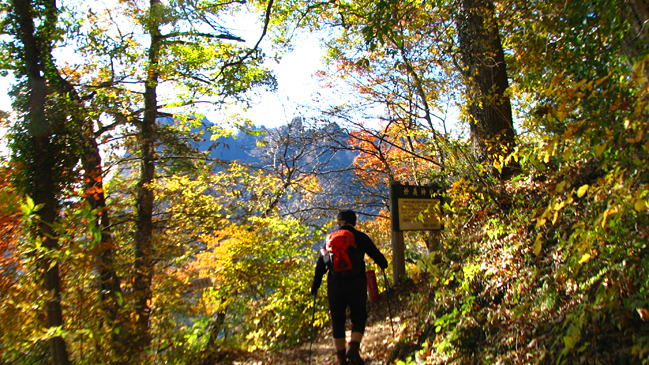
{"points": [[385, 278], [312, 327]]}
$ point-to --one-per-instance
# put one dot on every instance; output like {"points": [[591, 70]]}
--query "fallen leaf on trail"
{"points": [[585, 257]]}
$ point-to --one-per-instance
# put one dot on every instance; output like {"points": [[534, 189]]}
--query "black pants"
{"points": [[350, 293]]}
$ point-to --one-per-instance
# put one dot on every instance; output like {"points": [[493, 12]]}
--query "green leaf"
{"points": [[28, 206]]}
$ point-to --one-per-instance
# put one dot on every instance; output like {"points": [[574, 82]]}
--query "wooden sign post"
{"points": [[412, 208]]}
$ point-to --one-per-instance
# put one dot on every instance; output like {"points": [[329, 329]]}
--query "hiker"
{"points": [[347, 289]]}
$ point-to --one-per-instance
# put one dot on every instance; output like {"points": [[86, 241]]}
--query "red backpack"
{"points": [[341, 255]]}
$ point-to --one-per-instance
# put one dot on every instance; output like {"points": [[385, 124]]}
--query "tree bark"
{"points": [[637, 13], [110, 289], [94, 194], [42, 182], [145, 199], [485, 73], [109, 283]]}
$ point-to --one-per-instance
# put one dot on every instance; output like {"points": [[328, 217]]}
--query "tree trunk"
{"points": [[109, 283], [637, 13], [42, 181], [485, 73], [145, 198]]}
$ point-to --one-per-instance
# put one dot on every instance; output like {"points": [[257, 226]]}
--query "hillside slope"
{"points": [[511, 286], [390, 312]]}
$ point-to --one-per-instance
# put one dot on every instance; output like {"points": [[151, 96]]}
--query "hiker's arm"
{"points": [[374, 253], [320, 270]]}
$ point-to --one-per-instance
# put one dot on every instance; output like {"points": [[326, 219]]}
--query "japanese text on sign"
{"points": [[419, 214]]}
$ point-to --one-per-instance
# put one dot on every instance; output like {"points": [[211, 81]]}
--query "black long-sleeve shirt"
{"points": [[364, 244]]}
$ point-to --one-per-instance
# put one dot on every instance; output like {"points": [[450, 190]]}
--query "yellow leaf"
{"points": [[560, 187], [420, 266], [557, 208], [640, 205], [638, 109], [638, 71], [599, 149], [497, 166], [555, 217], [552, 147], [637, 138], [598, 82], [584, 258], [568, 153], [549, 151], [538, 244], [582, 190]]}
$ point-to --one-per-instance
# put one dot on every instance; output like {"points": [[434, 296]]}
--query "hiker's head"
{"points": [[346, 217]]}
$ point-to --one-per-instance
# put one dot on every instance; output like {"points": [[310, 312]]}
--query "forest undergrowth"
{"points": [[389, 334], [507, 288]]}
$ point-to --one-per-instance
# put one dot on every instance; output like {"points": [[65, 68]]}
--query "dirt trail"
{"points": [[377, 346]]}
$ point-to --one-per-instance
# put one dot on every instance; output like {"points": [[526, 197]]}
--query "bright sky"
{"points": [[294, 73], [296, 85], [5, 102], [295, 78]]}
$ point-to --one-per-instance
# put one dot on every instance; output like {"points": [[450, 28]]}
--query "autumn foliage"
{"points": [[544, 256]]}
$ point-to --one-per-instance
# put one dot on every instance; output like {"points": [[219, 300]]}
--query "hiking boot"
{"points": [[354, 358], [341, 357]]}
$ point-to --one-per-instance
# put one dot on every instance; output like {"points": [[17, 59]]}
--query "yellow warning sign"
{"points": [[419, 214]]}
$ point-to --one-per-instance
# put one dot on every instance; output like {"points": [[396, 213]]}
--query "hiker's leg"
{"points": [[353, 354], [355, 345], [357, 336], [338, 308], [339, 339], [339, 344], [341, 356], [355, 342], [358, 309]]}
